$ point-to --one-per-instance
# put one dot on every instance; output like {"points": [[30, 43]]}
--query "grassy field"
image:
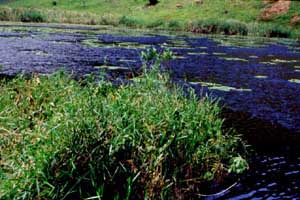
{"points": [[182, 15], [63, 139]]}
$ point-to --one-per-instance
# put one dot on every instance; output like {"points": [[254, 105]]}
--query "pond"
{"points": [[257, 80]]}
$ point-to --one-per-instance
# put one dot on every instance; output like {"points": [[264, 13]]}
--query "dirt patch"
{"points": [[295, 20], [275, 8]]}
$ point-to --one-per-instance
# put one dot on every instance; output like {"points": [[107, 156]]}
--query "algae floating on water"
{"points": [[197, 53], [234, 59], [110, 67], [216, 86], [261, 76], [218, 54], [294, 81], [284, 61], [268, 63]]}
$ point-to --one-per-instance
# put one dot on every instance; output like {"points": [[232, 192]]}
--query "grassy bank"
{"points": [[218, 16], [63, 139]]}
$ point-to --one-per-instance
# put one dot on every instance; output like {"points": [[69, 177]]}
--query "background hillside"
{"points": [[167, 13]]}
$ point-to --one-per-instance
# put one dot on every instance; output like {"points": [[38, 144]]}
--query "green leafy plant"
{"points": [[62, 139], [238, 165], [32, 16]]}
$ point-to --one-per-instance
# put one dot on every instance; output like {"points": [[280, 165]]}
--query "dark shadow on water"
{"points": [[261, 134]]}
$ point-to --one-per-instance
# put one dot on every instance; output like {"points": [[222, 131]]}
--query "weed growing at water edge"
{"points": [[62, 139], [32, 16]]}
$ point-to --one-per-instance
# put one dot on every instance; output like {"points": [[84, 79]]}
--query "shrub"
{"points": [[174, 24], [277, 31], [108, 20], [154, 24], [32, 16], [131, 22], [5, 14]]}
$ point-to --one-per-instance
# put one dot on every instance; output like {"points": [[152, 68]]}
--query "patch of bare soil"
{"points": [[295, 20], [275, 8]]}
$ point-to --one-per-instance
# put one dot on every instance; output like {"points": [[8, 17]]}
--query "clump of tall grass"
{"points": [[32, 16], [174, 24], [218, 27], [62, 139], [55, 16], [130, 22], [276, 31], [23, 15], [270, 30]]}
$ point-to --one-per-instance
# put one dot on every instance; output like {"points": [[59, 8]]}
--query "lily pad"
{"points": [[218, 53], [216, 86], [126, 60], [197, 53], [268, 63], [235, 59], [110, 67], [295, 80], [96, 43], [179, 57], [261, 76], [40, 53], [284, 61]]}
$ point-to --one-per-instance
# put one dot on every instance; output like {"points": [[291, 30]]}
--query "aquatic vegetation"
{"points": [[110, 67], [235, 59], [40, 53], [216, 86], [284, 61], [179, 57], [240, 42], [197, 53], [92, 43], [126, 60], [295, 80], [261, 76], [268, 63], [218, 54], [97, 43]]}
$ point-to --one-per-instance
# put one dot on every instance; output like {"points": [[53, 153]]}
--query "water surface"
{"points": [[257, 80]]}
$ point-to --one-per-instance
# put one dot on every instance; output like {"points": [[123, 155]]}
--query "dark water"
{"points": [[257, 79]]}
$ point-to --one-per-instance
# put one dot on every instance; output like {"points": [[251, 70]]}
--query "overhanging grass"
{"points": [[62, 139]]}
